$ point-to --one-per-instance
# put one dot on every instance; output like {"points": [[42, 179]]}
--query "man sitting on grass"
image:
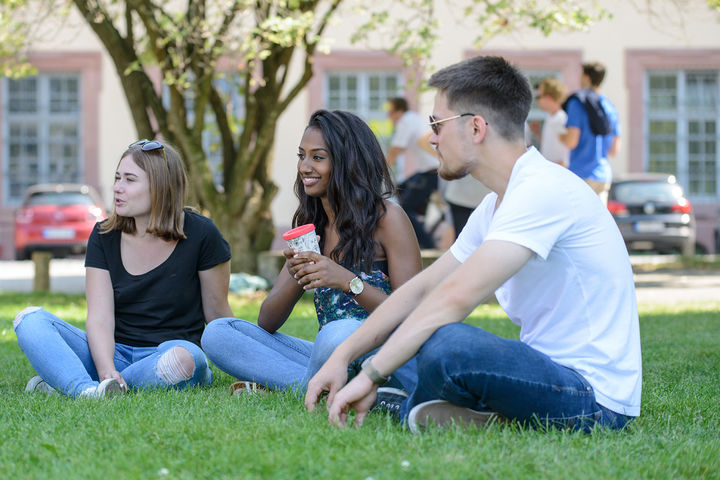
{"points": [[545, 244]]}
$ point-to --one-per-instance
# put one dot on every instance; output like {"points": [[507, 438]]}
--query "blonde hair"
{"points": [[168, 184], [553, 88]]}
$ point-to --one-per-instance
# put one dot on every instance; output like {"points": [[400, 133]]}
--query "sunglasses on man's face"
{"points": [[150, 145], [435, 124]]}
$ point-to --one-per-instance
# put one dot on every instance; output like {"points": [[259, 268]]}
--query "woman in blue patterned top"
{"points": [[368, 249]]}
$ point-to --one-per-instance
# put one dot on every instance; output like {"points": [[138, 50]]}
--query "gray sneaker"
{"points": [[441, 414], [108, 388], [390, 400], [37, 384]]}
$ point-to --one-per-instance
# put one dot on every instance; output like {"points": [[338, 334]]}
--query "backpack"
{"points": [[599, 121]]}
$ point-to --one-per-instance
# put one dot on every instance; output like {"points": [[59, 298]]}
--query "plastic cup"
{"points": [[302, 238]]}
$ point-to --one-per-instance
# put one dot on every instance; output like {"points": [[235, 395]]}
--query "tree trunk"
{"points": [[246, 238]]}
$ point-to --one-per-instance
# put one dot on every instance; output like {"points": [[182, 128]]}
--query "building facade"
{"points": [[69, 122]]}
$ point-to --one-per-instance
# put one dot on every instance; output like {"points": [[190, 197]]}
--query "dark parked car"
{"points": [[653, 213], [57, 218]]}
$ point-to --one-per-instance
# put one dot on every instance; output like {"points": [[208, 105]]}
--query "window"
{"points": [[682, 118], [364, 93], [41, 132]]}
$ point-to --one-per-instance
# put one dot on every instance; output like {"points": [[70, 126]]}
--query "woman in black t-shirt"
{"points": [[155, 274]]}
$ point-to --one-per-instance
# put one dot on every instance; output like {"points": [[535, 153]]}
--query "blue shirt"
{"points": [[588, 160]]}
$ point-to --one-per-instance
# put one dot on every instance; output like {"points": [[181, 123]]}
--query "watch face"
{"points": [[356, 286]]}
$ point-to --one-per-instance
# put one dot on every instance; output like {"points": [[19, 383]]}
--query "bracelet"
{"points": [[372, 372]]}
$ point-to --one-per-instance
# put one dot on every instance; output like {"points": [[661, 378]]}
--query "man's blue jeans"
{"points": [[248, 352], [60, 354], [472, 368]]}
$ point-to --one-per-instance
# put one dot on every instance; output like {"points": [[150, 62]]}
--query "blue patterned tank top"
{"points": [[333, 304]]}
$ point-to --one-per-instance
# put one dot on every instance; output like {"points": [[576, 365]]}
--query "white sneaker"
{"points": [[108, 388], [37, 384], [440, 414]]}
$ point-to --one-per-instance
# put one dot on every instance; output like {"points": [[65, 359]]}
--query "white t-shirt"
{"points": [[550, 145], [414, 159], [575, 298]]}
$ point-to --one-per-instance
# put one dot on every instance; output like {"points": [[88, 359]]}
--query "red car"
{"points": [[57, 218]]}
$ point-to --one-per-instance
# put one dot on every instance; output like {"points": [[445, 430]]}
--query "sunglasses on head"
{"points": [[150, 145]]}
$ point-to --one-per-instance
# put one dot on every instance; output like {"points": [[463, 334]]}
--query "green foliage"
{"points": [[13, 38], [206, 433], [409, 27]]}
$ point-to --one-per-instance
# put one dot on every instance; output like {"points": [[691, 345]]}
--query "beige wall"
{"points": [[696, 27], [115, 126]]}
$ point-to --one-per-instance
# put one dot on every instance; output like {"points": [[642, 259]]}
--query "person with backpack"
{"points": [[593, 131]]}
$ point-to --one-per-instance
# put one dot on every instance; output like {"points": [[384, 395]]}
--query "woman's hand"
{"points": [[312, 270], [116, 375]]}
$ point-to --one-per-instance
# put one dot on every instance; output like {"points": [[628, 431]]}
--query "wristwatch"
{"points": [[356, 287], [372, 372]]}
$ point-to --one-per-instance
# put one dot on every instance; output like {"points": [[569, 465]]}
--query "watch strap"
{"points": [[372, 372]]}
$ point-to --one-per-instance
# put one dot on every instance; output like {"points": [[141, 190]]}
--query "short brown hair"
{"points": [[553, 88], [398, 104], [489, 86], [595, 72], [168, 184]]}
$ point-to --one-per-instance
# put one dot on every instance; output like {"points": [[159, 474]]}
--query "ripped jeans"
{"points": [[60, 354]]}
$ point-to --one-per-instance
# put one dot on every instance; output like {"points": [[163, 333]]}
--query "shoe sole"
{"points": [[393, 391], [241, 387], [109, 388], [442, 414], [33, 383]]}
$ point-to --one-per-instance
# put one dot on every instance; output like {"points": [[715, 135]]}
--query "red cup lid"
{"points": [[298, 231]]}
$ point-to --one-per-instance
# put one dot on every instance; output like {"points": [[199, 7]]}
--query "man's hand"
{"points": [[358, 395], [330, 378]]}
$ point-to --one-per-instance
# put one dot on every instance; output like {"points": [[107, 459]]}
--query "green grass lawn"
{"points": [[206, 433]]}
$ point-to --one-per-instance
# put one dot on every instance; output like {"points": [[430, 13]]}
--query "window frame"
{"points": [[639, 63], [88, 66]]}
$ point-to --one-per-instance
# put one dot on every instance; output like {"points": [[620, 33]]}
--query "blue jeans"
{"points": [[60, 354], [472, 368], [248, 352]]}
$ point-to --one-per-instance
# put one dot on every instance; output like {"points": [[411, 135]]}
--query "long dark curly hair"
{"points": [[359, 183]]}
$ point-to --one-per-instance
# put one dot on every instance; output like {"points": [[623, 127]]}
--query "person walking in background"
{"points": [[550, 96], [156, 273], [368, 250], [418, 178], [593, 131]]}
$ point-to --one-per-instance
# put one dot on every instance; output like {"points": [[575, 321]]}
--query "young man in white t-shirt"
{"points": [[548, 249]]}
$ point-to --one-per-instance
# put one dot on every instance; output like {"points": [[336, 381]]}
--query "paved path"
{"points": [[66, 275], [664, 286], [670, 287]]}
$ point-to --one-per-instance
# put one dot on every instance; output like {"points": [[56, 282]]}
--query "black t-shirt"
{"points": [[164, 303]]}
